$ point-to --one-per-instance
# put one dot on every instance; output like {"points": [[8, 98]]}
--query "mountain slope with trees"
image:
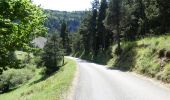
{"points": [[128, 35], [55, 18]]}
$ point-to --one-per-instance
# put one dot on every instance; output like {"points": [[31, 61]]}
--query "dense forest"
{"points": [[55, 18], [119, 20]]}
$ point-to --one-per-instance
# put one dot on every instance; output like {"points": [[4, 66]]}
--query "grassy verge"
{"points": [[142, 56], [54, 87]]}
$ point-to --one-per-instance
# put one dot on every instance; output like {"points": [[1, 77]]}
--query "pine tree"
{"points": [[113, 20], [164, 7], [101, 30], [64, 33], [65, 37], [93, 26], [84, 31], [53, 54]]}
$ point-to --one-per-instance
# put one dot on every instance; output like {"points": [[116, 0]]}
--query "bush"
{"points": [[36, 61], [12, 78], [165, 74]]}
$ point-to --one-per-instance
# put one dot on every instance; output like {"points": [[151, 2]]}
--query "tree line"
{"points": [[54, 20], [114, 21]]}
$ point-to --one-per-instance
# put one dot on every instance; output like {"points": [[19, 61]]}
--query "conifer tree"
{"points": [[101, 30], [53, 54], [113, 20]]}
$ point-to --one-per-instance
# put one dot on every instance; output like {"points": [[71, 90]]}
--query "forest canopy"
{"points": [[55, 18]]}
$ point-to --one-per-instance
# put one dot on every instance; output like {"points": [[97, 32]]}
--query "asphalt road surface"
{"points": [[96, 82]]}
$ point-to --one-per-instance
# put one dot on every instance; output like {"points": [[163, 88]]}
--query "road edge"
{"points": [[71, 92]]}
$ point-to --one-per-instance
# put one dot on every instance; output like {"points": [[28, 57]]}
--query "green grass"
{"points": [[142, 56], [54, 87]]}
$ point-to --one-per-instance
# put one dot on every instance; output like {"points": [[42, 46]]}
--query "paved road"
{"points": [[95, 82]]}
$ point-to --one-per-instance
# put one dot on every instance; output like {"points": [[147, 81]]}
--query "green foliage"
{"points": [[164, 7], [165, 74], [102, 33], [88, 29], [113, 20], [53, 54], [127, 59], [84, 31], [76, 42], [54, 20], [12, 78], [142, 56], [123, 20], [114, 14], [64, 34], [20, 22], [92, 27]]}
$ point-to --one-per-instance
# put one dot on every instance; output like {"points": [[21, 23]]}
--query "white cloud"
{"points": [[64, 5]]}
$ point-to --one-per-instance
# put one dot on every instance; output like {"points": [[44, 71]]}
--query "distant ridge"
{"points": [[55, 18]]}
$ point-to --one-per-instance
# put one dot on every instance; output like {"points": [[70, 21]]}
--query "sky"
{"points": [[64, 5]]}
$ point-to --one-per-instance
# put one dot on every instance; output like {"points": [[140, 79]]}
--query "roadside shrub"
{"points": [[162, 53], [37, 61], [13, 78], [118, 51], [30, 67], [165, 74], [167, 54], [144, 61], [128, 46], [154, 68]]}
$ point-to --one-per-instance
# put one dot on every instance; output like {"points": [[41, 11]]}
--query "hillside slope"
{"points": [[149, 56], [54, 87], [54, 19]]}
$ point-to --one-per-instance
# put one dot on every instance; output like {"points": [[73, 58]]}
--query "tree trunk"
{"points": [[118, 38], [63, 60]]}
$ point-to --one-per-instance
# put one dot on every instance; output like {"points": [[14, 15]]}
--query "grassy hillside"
{"points": [[148, 56], [54, 87]]}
